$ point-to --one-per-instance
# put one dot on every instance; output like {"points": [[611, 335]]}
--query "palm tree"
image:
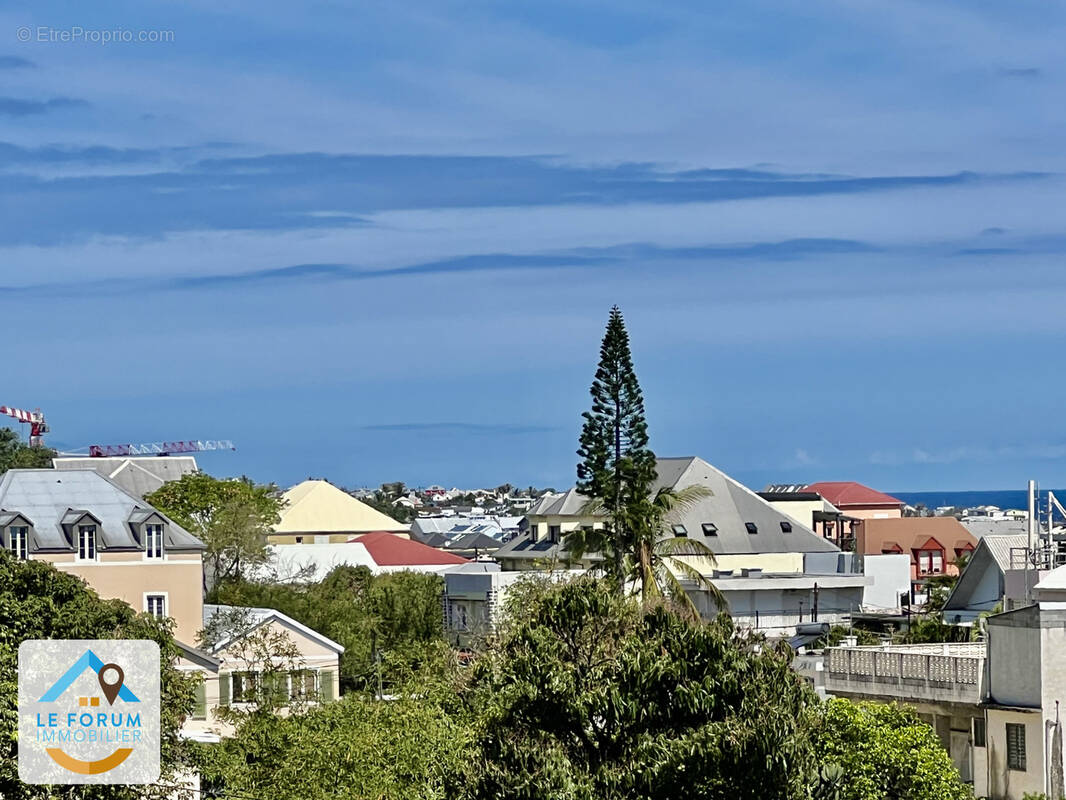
{"points": [[653, 557], [658, 556]]}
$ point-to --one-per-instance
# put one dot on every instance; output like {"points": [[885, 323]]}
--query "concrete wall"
{"points": [[791, 563], [1005, 784], [1014, 665], [777, 611], [891, 577]]}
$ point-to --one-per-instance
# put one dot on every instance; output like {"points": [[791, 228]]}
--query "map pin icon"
{"points": [[111, 690]]}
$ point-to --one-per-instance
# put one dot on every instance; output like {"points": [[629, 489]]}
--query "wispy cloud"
{"points": [[15, 62], [1027, 73], [16, 107], [289, 191], [579, 258], [462, 428], [1041, 451]]}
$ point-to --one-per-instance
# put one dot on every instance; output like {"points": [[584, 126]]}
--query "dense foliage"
{"points": [[16, 454], [586, 695], [231, 517], [395, 615], [883, 752], [409, 748], [38, 601], [592, 697]]}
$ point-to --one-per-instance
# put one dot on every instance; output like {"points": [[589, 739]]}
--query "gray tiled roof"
{"points": [[51, 498], [729, 506], [138, 475]]}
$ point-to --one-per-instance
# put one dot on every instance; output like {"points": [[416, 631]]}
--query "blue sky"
{"points": [[379, 242]]}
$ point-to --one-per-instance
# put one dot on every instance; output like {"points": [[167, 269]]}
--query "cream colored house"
{"points": [[233, 668], [86, 525], [317, 512]]}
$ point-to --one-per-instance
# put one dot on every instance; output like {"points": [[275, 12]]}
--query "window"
{"points": [[299, 540], [1016, 746], [153, 541], [978, 732], [710, 529], [553, 533], [18, 538], [156, 605], [752, 527], [303, 684], [786, 527], [680, 530], [930, 562], [533, 532], [245, 686], [87, 542]]}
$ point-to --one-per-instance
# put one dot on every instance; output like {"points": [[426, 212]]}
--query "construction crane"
{"points": [[158, 448], [35, 419]]}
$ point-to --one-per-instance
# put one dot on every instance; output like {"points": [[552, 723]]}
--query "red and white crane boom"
{"points": [[35, 419], [158, 448]]}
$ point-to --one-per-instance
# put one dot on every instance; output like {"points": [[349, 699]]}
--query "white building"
{"points": [[996, 705]]}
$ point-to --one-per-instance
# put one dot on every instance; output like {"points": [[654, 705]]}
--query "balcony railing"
{"points": [[933, 672]]}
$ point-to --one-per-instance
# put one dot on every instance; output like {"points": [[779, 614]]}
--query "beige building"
{"points": [[232, 669], [317, 512], [86, 525]]}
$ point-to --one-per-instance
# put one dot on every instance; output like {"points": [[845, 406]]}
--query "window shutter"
{"points": [[199, 710], [223, 689], [326, 677]]}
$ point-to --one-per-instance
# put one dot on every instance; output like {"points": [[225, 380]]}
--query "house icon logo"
{"points": [[88, 711]]}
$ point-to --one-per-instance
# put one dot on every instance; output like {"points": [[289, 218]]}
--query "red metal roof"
{"points": [[390, 550], [843, 494]]}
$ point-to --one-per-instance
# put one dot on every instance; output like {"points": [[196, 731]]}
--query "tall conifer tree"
{"points": [[617, 468]]}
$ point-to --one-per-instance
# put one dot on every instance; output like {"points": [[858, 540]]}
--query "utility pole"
{"points": [[1029, 553]]}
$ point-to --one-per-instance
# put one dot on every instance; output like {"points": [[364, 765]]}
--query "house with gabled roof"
{"points": [[317, 512], [773, 569], [935, 545], [982, 587], [85, 524]]}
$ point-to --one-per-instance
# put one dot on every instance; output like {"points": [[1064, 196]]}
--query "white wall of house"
{"points": [[891, 576]]}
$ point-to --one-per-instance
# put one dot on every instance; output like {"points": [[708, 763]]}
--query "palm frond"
{"points": [[677, 591], [673, 501], [700, 579]]}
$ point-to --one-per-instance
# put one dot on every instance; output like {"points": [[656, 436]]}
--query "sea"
{"points": [[1001, 498]]}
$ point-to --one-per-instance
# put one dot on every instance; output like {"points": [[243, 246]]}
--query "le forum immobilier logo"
{"points": [[88, 711]]}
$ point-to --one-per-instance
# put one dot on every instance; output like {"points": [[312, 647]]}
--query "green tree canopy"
{"points": [[397, 614], [16, 454], [589, 696], [883, 753], [38, 601], [231, 517], [617, 469]]}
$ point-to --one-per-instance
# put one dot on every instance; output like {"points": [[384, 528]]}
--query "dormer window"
{"points": [[554, 531], [153, 540], [87, 542], [18, 539]]}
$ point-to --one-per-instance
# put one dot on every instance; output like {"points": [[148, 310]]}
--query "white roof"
{"points": [[260, 616], [286, 561]]}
